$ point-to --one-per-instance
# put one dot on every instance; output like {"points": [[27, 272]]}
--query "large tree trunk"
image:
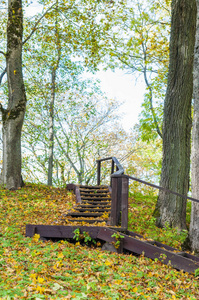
{"points": [[194, 225], [171, 209], [13, 116]]}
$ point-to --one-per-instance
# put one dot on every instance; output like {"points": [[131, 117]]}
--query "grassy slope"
{"points": [[32, 269]]}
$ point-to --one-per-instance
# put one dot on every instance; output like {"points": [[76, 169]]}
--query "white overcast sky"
{"points": [[126, 89]]}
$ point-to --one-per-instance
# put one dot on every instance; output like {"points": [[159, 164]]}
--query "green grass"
{"points": [[141, 220], [33, 269]]}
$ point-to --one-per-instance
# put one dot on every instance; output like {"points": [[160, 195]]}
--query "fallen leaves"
{"points": [[34, 269]]}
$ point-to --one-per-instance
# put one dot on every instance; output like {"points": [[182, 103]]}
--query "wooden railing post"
{"points": [[114, 200], [112, 170], [119, 201], [98, 172], [112, 166], [124, 203]]}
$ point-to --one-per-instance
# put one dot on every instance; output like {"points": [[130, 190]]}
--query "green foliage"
{"points": [[197, 272], [141, 46], [83, 237], [70, 38], [77, 234], [143, 160], [118, 236]]}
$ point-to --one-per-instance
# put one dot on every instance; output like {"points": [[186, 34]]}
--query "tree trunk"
{"points": [[51, 128], [13, 116], [171, 209], [194, 225]]}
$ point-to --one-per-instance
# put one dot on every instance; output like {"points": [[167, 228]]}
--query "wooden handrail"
{"points": [[119, 195], [115, 162], [120, 186]]}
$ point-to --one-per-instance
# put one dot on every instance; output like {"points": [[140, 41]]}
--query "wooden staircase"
{"points": [[94, 205], [108, 214]]}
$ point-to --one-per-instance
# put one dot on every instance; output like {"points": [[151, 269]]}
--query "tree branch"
{"points": [[1, 52], [35, 26], [151, 105], [1, 108], [2, 74]]}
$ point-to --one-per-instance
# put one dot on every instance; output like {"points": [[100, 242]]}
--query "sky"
{"points": [[125, 88]]}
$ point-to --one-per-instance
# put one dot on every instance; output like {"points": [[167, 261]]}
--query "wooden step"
{"points": [[93, 209], [101, 206], [95, 202], [86, 220], [89, 215], [96, 198], [83, 194], [90, 187]]}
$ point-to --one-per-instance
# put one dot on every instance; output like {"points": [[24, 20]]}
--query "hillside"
{"points": [[33, 269]]}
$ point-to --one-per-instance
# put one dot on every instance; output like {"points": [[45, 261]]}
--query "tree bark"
{"points": [[171, 209], [194, 225], [13, 116], [52, 103], [51, 128]]}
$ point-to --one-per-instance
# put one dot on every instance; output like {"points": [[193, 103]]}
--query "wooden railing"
{"points": [[120, 188], [119, 195], [115, 163]]}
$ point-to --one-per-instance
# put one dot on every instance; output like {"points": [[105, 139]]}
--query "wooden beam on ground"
{"points": [[59, 232], [180, 261], [140, 247]]}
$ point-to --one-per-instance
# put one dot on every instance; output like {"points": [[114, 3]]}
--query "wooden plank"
{"points": [[112, 167], [86, 221], [104, 159], [97, 194], [165, 256], [177, 260], [112, 171], [119, 201], [60, 232], [71, 186], [90, 209], [155, 243], [106, 234], [96, 202], [77, 194], [119, 168], [139, 247], [94, 187], [98, 172], [108, 206], [124, 202], [113, 216], [96, 198], [50, 231], [82, 214]]}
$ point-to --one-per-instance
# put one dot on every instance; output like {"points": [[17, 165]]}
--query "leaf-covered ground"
{"points": [[33, 269]]}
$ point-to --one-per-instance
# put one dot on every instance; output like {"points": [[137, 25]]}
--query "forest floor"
{"points": [[34, 269]]}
